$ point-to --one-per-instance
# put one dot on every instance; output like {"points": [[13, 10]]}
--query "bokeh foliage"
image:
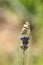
{"points": [[35, 8]]}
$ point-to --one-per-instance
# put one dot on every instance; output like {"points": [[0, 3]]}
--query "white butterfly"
{"points": [[26, 29]]}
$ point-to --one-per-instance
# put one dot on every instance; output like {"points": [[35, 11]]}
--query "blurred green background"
{"points": [[32, 11]]}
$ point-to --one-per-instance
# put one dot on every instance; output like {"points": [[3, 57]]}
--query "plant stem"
{"points": [[23, 57]]}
